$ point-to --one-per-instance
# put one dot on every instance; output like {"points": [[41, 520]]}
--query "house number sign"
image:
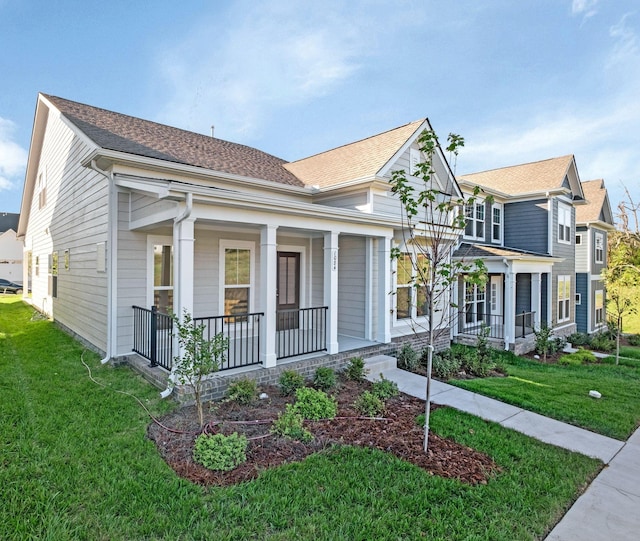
{"points": [[334, 261]]}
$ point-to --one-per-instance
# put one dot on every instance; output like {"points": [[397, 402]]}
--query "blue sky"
{"points": [[520, 80]]}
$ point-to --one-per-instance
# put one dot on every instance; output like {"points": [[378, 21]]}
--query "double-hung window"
{"points": [[474, 301], [411, 292], [474, 217], [237, 276], [564, 296], [564, 223], [496, 222], [599, 248], [599, 306]]}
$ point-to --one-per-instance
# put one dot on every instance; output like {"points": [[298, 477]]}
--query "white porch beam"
{"points": [[331, 289], [384, 290], [267, 295], [509, 308], [536, 283]]}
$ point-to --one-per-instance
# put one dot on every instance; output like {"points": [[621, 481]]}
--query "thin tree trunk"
{"points": [[427, 405]]}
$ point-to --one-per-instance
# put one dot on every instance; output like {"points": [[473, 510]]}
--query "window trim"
{"points": [[472, 219], [565, 279], [598, 320], [598, 251], [499, 207], [412, 289], [239, 245], [154, 240], [578, 239], [564, 224]]}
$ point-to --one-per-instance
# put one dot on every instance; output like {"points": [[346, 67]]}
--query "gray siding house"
{"points": [[525, 234], [594, 221]]}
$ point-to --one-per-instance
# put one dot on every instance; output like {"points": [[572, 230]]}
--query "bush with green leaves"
{"points": [[634, 339], [385, 388], [315, 404], [369, 404], [445, 365], [579, 339], [601, 342], [484, 350], [219, 452], [325, 378], [577, 358], [408, 358], [290, 424], [355, 369], [243, 391], [543, 340], [290, 381]]}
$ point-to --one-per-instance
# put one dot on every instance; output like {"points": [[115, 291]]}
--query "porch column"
{"points": [[267, 294], [509, 308], [183, 240], [331, 288], [384, 290], [536, 282]]}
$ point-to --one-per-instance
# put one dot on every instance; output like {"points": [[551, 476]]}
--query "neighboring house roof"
{"points": [[8, 221], [597, 208], [123, 133], [359, 160], [540, 176], [468, 250]]}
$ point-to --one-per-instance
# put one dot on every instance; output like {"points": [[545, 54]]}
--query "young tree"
{"points": [[622, 275], [433, 218], [199, 357]]}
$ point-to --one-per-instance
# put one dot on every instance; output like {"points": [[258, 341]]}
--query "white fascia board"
{"points": [[157, 189], [387, 166], [510, 198], [598, 224], [154, 164]]}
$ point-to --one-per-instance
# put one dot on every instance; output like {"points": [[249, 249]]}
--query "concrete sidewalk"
{"points": [[609, 509]]}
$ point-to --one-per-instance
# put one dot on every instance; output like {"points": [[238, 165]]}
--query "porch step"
{"points": [[375, 365]]}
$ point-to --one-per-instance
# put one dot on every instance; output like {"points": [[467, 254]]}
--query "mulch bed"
{"points": [[396, 433]]}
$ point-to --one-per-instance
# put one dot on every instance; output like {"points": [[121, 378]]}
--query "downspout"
{"points": [[112, 238], [176, 247]]}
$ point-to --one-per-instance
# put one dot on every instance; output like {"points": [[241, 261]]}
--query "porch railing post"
{"points": [[154, 335], [524, 333]]}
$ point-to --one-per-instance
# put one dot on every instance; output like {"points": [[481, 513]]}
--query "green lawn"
{"points": [[562, 392], [76, 464]]}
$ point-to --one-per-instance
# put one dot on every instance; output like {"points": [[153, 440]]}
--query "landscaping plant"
{"points": [[219, 452], [243, 391], [355, 369], [369, 404], [290, 424], [290, 381], [325, 378], [314, 404]]}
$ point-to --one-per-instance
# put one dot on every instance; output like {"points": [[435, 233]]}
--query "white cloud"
{"points": [[13, 158], [586, 8], [625, 49]]}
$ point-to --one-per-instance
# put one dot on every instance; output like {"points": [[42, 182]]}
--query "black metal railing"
{"points": [[153, 336], [525, 324], [474, 323], [242, 332], [301, 331]]}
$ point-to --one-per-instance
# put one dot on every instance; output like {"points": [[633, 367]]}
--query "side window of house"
{"points": [[474, 300], [411, 293], [42, 189], [474, 215], [238, 264], [564, 223], [564, 296], [599, 306], [163, 277], [414, 160], [53, 275], [37, 266], [496, 223], [599, 248]]}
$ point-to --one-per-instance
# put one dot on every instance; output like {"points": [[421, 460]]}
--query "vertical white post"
{"points": [[509, 308], [184, 239], [368, 288], [267, 294], [384, 290], [331, 289], [536, 282]]}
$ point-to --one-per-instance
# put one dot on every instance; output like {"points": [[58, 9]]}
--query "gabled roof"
{"points": [[468, 250], [534, 177], [123, 133], [8, 221], [359, 160], [597, 208]]}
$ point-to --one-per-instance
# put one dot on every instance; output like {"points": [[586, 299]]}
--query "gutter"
{"points": [[180, 217]]}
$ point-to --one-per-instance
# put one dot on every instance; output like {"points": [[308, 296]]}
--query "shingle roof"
{"points": [[8, 221], [595, 193], [526, 178], [481, 251], [362, 159], [123, 133]]}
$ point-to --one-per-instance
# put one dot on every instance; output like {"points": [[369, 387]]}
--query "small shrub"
{"points": [[355, 369], [385, 388], [578, 339], [557, 344], [577, 358], [290, 381], [290, 425], [219, 452], [324, 378], [601, 342], [445, 365], [543, 344], [314, 404], [408, 358], [369, 404], [243, 391], [634, 339]]}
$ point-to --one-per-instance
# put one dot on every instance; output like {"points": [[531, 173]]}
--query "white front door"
{"points": [[496, 296]]}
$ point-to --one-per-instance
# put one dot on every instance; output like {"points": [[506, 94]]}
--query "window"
{"points": [[599, 248], [53, 274], [578, 299], [37, 265], [414, 160], [496, 223], [163, 277], [564, 223], [42, 189], [474, 301], [578, 240], [66, 260], [474, 215], [599, 306], [411, 293], [564, 296], [237, 277]]}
